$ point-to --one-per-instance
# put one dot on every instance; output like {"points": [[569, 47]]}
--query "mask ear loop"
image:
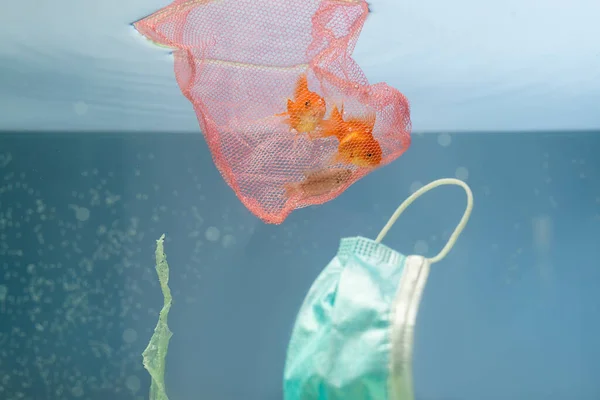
{"points": [[459, 228]]}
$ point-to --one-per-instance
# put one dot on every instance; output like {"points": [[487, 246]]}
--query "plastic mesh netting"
{"points": [[288, 115]]}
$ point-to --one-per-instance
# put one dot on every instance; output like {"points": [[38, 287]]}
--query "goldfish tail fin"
{"points": [[337, 158], [328, 129], [331, 126], [301, 86], [290, 190], [370, 119], [285, 121], [316, 134], [290, 104]]}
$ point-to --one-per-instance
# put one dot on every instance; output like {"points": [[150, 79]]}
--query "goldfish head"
{"points": [[369, 154], [307, 102], [342, 175], [307, 113], [363, 151], [313, 105]]}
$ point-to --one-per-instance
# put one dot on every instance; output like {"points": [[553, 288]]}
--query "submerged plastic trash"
{"points": [[279, 98], [154, 356], [353, 336]]}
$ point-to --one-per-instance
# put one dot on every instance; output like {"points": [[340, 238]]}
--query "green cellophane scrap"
{"points": [[154, 357]]}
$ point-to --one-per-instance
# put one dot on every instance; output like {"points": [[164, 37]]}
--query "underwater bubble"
{"points": [[133, 383], [542, 232], [5, 159], [462, 173], [416, 185], [77, 391], [82, 213], [421, 247], [212, 233], [80, 108], [129, 335], [228, 241], [444, 140]]}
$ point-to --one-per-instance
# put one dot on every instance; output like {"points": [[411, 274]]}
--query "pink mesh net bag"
{"points": [[288, 115]]}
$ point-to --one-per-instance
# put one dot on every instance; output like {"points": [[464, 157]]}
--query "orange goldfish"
{"points": [[307, 110], [356, 142], [316, 183]]}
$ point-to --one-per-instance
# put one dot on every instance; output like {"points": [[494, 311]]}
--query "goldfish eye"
{"points": [[369, 155], [307, 104]]}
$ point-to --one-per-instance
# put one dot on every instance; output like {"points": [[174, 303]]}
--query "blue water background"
{"points": [[513, 312]]}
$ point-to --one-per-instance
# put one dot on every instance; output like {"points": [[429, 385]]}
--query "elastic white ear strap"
{"points": [[461, 225]]}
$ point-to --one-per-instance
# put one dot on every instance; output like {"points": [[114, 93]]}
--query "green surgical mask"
{"points": [[353, 336]]}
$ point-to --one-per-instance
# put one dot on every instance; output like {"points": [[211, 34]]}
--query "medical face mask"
{"points": [[353, 336]]}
